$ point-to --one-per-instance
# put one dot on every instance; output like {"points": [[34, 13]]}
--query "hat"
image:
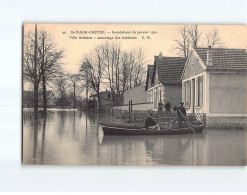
{"points": [[182, 103]]}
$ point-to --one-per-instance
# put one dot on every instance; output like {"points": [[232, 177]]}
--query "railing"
{"points": [[139, 116]]}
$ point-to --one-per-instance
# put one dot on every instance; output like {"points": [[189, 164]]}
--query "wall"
{"points": [[156, 78], [226, 122], [193, 70], [193, 67], [146, 106], [137, 95], [194, 90], [174, 92], [149, 82], [227, 93]]}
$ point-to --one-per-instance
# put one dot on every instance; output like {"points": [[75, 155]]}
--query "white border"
{"points": [[15, 177]]}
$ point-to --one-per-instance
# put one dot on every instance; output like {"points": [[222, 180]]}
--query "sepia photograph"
{"points": [[134, 95]]}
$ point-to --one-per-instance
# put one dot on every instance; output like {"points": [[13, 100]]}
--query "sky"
{"points": [[161, 39]]}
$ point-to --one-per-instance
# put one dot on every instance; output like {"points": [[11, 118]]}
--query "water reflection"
{"points": [[68, 137]]}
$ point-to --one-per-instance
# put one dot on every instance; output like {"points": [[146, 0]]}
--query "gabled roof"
{"points": [[169, 69], [149, 75], [224, 58]]}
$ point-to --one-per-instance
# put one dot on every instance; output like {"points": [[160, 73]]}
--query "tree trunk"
{"points": [[36, 86], [44, 95], [43, 75], [99, 102], [74, 95]]}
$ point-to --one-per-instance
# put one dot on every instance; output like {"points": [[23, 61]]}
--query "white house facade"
{"points": [[165, 83], [214, 82]]}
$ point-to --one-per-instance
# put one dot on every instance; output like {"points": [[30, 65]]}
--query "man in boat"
{"points": [[150, 123], [168, 106], [181, 114]]}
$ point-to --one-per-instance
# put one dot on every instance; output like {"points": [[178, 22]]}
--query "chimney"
{"points": [[160, 55], [209, 56]]}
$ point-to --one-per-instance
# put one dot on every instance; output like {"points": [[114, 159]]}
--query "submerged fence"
{"points": [[139, 116]]}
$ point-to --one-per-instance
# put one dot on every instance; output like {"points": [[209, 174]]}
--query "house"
{"points": [[149, 77], [138, 95], [166, 80], [50, 99], [28, 99], [107, 99], [215, 82], [62, 103]]}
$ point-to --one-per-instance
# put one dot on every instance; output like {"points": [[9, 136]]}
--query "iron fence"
{"points": [[139, 117]]}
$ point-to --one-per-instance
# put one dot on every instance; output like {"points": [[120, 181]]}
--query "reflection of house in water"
{"points": [[154, 150], [214, 82], [166, 80]]}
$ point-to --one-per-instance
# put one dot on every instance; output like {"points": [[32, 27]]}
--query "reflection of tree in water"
{"points": [[74, 123], [63, 115], [43, 140], [35, 141], [29, 119]]}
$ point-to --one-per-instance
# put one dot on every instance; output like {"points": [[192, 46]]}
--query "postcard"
{"points": [[134, 95]]}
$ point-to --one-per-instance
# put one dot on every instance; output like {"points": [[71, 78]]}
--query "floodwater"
{"points": [[68, 137]]}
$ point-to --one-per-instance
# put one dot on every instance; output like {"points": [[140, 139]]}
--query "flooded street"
{"points": [[68, 137]]}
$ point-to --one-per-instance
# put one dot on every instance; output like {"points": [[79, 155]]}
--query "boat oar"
{"points": [[183, 116]]}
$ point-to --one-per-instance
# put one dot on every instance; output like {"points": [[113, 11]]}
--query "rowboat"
{"points": [[111, 129]]}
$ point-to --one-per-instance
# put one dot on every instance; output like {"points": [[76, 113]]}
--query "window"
{"points": [[184, 91], [187, 93], [109, 95], [155, 98], [150, 94], [200, 91]]}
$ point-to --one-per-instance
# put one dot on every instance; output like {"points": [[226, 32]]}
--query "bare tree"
{"points": [[139, 69], [61, 85], [191, 36], [118, 69], [94, 65], [76, 85], [124, 72], [194, 35], [112, 52], [47, 58], [131, 64], [183, 44], [50, 64], [213, 38], [31, 70]]}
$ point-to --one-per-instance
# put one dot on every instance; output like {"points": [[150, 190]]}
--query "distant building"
{"points": [[166, 80], [107, 99], [149, 77], [50, 99], [215, 83], [28, 99], [62, 103]]}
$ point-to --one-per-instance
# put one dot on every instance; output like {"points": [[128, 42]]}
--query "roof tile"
{"points": [[170, 69], [224, 58]]}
